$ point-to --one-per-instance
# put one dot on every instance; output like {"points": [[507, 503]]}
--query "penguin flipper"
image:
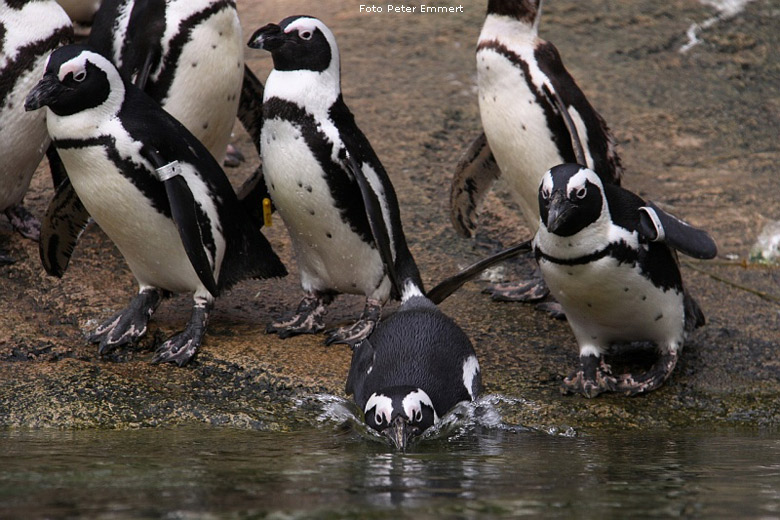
{"points": [[250, 106], [375, 220], [66, 219], [251, 195], [576, 142], [659, 226], [363, 356], [448, 286], [475, 173], [187, 217]]}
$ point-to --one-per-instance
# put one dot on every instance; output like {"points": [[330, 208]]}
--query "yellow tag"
{"points": [[267, 212]]}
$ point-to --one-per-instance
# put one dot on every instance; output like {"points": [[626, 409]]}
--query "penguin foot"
{"points": [[553, 308], [523, 291], [233, 157], [183, 347], [24, 222], [592, 378], [359, 330], [655, 376], [308, 318], [127, 325]]}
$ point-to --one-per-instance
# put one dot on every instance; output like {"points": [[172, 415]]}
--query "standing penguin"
{"points": [[307, 134], [186, 54], [608, 257], [533, 115], [153, 188], [416, 365], [29, 31]]}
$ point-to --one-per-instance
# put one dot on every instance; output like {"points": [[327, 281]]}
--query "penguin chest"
{"points": [[608, 301], [23, 139], [206, 85], [330, 254], [148, 240], [516, 128]]}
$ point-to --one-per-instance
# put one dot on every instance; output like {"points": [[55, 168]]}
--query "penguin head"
{"points": [[527, 11], [571, 198], [76, 79], [298, 43], [400, 413]]}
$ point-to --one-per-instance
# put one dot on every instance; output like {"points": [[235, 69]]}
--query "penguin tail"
{"points": [[694, 316]]}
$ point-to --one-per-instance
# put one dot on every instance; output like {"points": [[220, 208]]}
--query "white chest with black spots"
{"points": [[606, 301], [330, 255], [516, 129], [147, 239], [205, 90]]}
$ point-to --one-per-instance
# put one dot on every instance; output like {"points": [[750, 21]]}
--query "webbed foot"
{"points": [[24, 222], [359, 330], [308, 318], [233, 157], [129, 324], [521, 291], [631, 384], [183, 347], [592, 378]]}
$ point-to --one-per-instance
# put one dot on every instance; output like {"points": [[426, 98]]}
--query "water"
{"points": [[336, 471]]}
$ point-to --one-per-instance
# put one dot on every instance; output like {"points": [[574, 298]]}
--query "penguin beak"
{"points": [[269, 37], [561, 210], [43, 93], [399, 432]]}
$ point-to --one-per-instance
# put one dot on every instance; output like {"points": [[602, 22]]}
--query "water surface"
{"points": [[329, 471]]}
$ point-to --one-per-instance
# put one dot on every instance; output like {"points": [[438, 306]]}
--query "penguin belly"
{"points": [[330, 255], [607, 301], [148, 240], [516, 129], [23, 140], [212, 59]]}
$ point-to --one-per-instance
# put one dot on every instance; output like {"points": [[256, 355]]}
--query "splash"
{"points": [[726, 9]]}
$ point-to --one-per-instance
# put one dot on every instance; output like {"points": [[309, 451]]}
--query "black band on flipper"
{"points": [[658, 226], [375, 220]]}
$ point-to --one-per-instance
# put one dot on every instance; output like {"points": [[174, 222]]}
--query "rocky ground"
{"points": [[697, 131]]}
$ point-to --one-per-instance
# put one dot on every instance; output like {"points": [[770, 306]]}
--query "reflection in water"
{"points": [[474, 472]]}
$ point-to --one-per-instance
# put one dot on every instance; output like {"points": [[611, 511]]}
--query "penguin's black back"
{"points": [[418, 346]]}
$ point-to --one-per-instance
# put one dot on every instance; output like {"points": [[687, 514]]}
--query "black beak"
{"points": [[399, 432], [269, 37], [561, 210], [43, 93]]}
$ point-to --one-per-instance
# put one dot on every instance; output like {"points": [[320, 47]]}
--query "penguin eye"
{"points": [[418, 415], [581, 192], [80, 75], [545, 194], [306, 35], [378, 419]]}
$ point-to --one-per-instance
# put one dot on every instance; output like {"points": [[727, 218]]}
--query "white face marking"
{"points": [[470, 371], [383, 408], [412, 405]]}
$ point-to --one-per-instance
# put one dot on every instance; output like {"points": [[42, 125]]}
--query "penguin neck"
{"points": [[315, 91], [507, 30], [591, 239], [91, 122]]}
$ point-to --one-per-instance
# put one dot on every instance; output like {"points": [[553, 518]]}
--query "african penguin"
{"points": [[609, 259], [414, 368], [308, 133], [533, 116], [153, 188], [29, 31], [186, 54]]}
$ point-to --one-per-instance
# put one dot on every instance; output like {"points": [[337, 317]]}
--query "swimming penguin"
{"points": [[531, 108], [29, 31], [609, 258], [155, 191], [307, 133], [417, 364]]}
